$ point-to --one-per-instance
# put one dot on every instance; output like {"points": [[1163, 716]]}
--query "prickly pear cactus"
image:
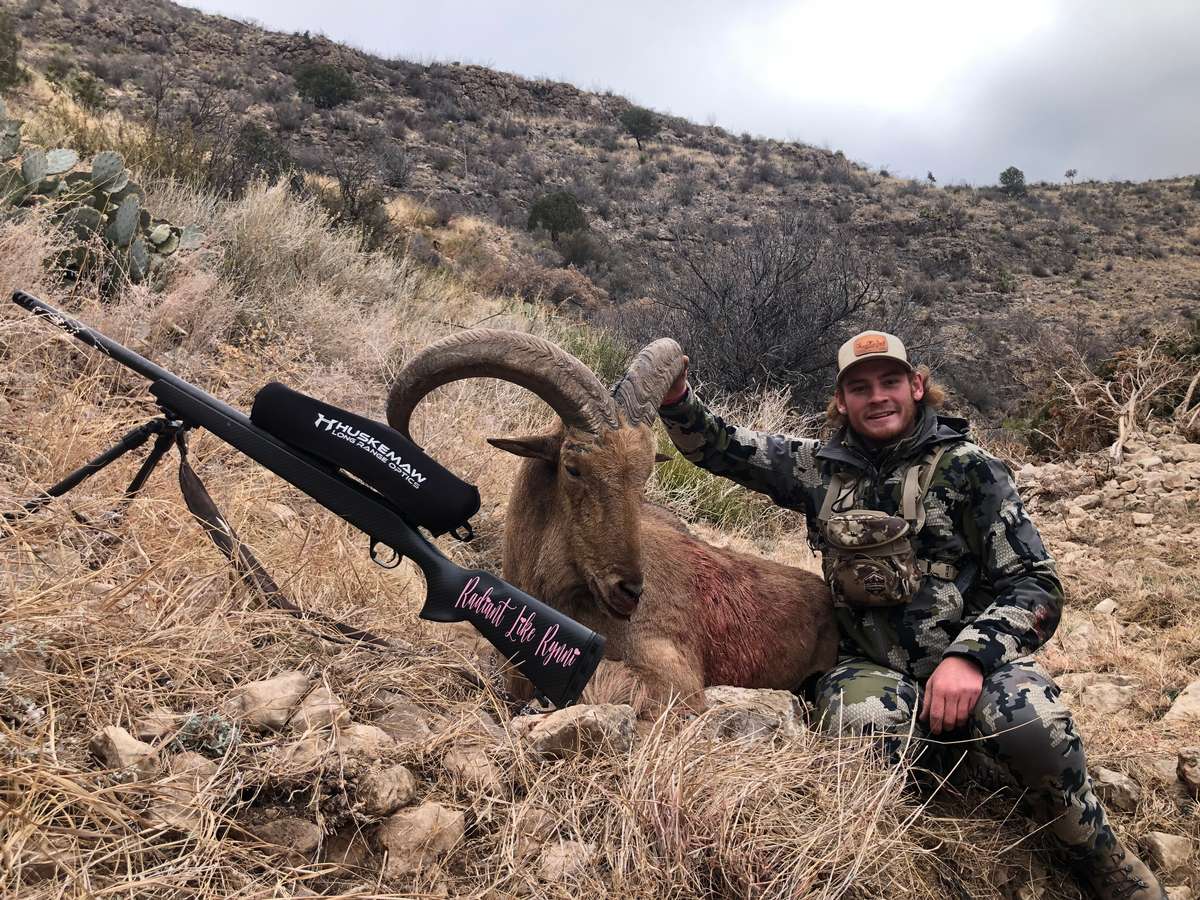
{"points": [[100, 207], [108, 171], [33, 167], [124, 223], [61, 161]]}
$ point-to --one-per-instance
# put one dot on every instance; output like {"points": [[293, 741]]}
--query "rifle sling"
{"points": [[244, 562]]}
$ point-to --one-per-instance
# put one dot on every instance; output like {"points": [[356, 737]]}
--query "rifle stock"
{"points": [[557, 654]]}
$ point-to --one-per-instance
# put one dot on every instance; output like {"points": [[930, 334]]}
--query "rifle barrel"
{"points": [[118, 352]]}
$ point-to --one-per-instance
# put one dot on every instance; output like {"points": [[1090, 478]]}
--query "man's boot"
{"points": [[1117, 874]]}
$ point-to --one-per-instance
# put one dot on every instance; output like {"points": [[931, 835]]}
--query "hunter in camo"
{"points": [[1002, 603]]}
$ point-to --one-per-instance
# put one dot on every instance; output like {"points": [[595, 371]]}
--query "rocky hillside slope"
{"points": [[1084, 264]]}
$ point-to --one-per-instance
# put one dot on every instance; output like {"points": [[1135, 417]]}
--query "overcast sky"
{"points": [[964, 88]]}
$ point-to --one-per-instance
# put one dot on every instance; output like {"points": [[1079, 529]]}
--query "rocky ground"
{"points": [[337, 771]]}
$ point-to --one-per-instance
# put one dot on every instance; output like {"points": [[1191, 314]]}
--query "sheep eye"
{"points": [[572, 471]]}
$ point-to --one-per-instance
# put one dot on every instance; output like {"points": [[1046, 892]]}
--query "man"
{"points": [[942, 588]]}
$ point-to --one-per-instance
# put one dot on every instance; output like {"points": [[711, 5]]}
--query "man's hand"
{"points": [[678, 388], [951, 693]]}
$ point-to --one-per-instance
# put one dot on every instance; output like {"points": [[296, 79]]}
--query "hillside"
{"points": [[164, 735], [987, 277]]}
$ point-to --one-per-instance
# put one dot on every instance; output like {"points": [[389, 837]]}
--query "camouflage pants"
{"points": [[1020, 735]]}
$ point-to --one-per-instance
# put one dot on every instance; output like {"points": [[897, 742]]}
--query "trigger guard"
{"points": [[377, 558]]}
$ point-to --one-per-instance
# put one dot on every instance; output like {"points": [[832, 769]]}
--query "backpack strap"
{"points": [[917, 480], [835, 493], [916, 485]]}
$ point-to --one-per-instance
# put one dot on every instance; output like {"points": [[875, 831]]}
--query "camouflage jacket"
{"points": [[1006, 599]]}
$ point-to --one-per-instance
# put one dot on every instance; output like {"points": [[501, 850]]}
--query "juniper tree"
{"points": [[641, 123], [1012, 180]]}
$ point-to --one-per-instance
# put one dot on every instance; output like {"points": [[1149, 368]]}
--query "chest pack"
{"points": [[868, 556]]}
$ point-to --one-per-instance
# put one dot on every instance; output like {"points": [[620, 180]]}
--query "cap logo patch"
{"points": [[870, 343]]}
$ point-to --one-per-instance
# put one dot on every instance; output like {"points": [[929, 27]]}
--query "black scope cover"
{"points": [[426, 493]]}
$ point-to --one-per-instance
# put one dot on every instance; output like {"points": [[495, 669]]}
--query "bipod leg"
{"points": [[171, 430], [128, 443]]}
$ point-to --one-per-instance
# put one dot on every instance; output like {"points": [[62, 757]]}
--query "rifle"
{"points": [[396, 488]]}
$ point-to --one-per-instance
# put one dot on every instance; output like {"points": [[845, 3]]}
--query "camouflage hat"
{"points": [[871, 345]]}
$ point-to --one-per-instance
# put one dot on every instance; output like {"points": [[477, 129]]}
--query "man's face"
{"points": [[879, 398]]}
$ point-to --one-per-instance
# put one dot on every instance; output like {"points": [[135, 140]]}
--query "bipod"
{"points": [[167, 429]]}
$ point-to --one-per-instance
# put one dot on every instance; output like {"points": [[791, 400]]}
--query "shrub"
{"points": [[640, 122], [771, 303], [257, 153], [325, 85], [581, 248], [395, 166], [1012, 181], [88, 91], [558, 213], [11, 73], [542, 284]]}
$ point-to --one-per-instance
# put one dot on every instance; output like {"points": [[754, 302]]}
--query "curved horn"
{"points": [[638, 394], [566, 384]]}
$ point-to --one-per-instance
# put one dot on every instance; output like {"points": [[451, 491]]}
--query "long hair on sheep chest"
{"points": [[681, 614]]}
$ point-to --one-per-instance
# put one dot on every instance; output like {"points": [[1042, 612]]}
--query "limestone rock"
{"points": [[1108, 697], [416, 838], [192, 765], [116, 748], [156, 725], [1174, 481], [1169, 852], [1165, 768], [564, 860], [320, 709], [535, 826], [578, 729], [1104, 692], [290, 836], [306, 754], [383, 792], [406, 722], [1106, 607], [748, 713], [1188, 770], [470, 765], [468, 720], [1079, 638], [1116, 789], [176, 807], [1186, 705], [364, 740], [267, 705], [1142, 518]]}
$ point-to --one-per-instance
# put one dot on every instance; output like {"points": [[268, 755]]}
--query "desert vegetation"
{"points": [[989, 267], [377, 774]]}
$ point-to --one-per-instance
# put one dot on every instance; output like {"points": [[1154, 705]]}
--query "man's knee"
{"points": [[858, 697], [1025, 725]]}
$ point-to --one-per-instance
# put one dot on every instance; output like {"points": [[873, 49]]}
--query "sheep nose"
{"points": [[632, 588]]}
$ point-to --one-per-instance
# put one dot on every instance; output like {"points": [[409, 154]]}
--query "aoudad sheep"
{"points": [[681, 614]]}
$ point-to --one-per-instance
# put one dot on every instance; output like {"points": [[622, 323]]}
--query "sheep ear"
{"points": [[662, 457], [539, 446]]}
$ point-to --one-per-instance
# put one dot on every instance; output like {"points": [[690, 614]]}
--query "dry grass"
{"points": [[106, 621]]}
